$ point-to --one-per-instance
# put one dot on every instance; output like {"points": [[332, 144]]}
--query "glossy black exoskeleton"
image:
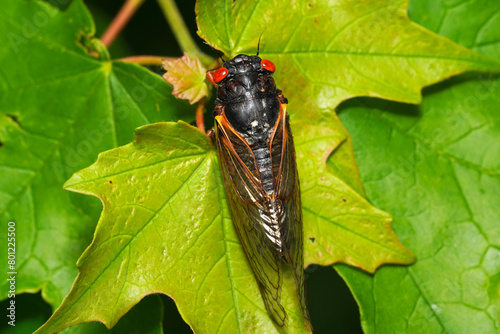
{"points": [[257, 157], [250, 97]]}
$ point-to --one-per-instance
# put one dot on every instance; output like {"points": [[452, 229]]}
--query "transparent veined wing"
{"points": [[249, 205], [287, 192]]}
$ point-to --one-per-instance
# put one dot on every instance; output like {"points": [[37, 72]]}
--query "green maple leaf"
{"points": [[444, 157], [176, 220], [60, 107], [329, 51]]}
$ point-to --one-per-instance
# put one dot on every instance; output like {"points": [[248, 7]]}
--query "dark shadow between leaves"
{"points": [[332, 307], [31, 311], [397, 108], [172, 320], [457, 80], [407, 109]]}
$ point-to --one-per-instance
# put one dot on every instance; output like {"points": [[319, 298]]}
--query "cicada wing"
{"points": [[287, 190], [283, 158], [249, 206]]}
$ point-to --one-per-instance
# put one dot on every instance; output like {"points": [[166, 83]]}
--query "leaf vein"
{"points": [[353, 232]]}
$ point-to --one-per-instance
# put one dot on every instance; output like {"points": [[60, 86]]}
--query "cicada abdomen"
{"points": [[257, 157]]}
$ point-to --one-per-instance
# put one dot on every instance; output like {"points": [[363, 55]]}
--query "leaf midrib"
{"points": [[74, 186], [49, 41], [125, 245], [343, 227], [395, 55]]}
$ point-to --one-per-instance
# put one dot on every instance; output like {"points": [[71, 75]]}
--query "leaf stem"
{"points": [[200, 108], [121, 19], [146, 60], [180, 30]]}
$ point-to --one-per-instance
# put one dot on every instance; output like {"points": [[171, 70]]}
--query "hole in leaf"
{"points": [[85, 43], [344, 200], [90, 45], [14, 119], [312, 239], [61, 5]]}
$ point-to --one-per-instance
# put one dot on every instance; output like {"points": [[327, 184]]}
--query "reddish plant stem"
{"points": [[200, 108], [121, 19], [146, 60]]}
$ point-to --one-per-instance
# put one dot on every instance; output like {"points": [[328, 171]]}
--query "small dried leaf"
{"points": [[188, 78]]}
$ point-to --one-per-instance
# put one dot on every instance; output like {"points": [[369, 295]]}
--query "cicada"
{"points": [[257, 158]]}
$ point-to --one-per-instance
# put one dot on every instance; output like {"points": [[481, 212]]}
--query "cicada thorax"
{"points": [[251, 106]]}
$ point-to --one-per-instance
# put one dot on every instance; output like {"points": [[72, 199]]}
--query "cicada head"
{"points": [[248, 97], [245, 77]]}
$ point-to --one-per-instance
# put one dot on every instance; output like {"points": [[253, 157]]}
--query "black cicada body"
{"points": [[257, 159]]}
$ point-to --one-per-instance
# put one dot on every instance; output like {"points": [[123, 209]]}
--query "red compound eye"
{"points": [[268, 65], [220, 74]]}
